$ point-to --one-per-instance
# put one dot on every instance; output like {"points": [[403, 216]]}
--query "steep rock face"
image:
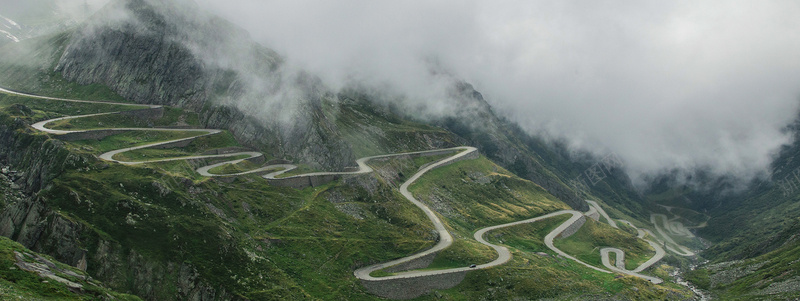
{"points": [[30, 162], [477, 122], [38, 159], [139, 49], [172, 53], [33, 224]]}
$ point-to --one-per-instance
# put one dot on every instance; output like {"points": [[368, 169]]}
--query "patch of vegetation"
{"points": [[32, 71], [592, 236], [262, 242], [474, 194], [301, 169], [404, 166], [527, 237], [172, 117], [199, 146], [477, 193], [775, 275], [16, 283], [371, 131], [37, 109], [463, 253], [240, 167], [547, 277], [128, 139], [699, 277]]}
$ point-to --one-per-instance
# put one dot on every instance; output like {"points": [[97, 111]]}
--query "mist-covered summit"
{"points": [[166, 52], [174, 53]]}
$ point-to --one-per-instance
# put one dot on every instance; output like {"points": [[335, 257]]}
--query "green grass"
{"points": [[301, 169], [689, 217], [240, 167], [201, 145], [422, 160], [150, 154], [775, 267], [16, 284], [534, 277], [404, 166], [171, 117], [47, 109], [28, 66], [592, 236], [624, 227], [261, 242], [129, 139], [195, 147], [483, 194], [371, 131], [463, 253], [473, 194], [700, 278], [527, 237]]}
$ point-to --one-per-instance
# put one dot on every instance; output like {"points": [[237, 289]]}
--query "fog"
{"points": [[663, 84], [43, 11]]}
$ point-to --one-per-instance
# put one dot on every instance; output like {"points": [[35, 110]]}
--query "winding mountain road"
{"points": [[444, 237], [668, 241]]}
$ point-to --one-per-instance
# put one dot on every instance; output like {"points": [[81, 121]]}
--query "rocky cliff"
{"points": [[29, 163], [172, 53]]}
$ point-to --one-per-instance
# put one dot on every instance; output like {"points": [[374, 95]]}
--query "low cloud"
{"points": [[665, 85], [677, 85], [40, 12]]}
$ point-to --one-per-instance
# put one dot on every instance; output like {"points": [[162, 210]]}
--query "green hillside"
{"points": [[162, 231]]}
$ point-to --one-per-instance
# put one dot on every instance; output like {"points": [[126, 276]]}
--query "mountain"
{"points": [[164, 232], [171, 70], [35, 18], [754, 233]]}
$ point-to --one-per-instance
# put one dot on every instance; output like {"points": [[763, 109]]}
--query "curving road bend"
{"points": [[603, 213], [619, 265], [445, 239], [668, 241], [42, 126]]}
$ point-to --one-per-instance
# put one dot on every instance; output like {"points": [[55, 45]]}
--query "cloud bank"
{"points": [[45, 11], [665, 85]]}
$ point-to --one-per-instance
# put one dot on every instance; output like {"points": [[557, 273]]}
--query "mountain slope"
{"points": [[161, 231], [9, 30]]}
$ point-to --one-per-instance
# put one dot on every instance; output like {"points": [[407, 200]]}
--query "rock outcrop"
{"points": [[173, 53], [29, 163]]}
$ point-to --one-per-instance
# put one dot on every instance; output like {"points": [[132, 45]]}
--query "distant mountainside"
{"points": [[35, 18], [161, 232], [170, 52], [753, 233], [10, 31]]}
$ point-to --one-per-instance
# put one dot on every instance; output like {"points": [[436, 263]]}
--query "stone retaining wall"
{"points": [[176, 144], [419, 263], [149, 113], [226, 150], [595, 216], [572, 229], [278, 161], [471, 156], [88, 135], [409, 288], [304, 181], [317, 180]]}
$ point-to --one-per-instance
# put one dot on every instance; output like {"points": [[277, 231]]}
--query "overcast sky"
{"points": [[663, 84], [39, 9]]}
